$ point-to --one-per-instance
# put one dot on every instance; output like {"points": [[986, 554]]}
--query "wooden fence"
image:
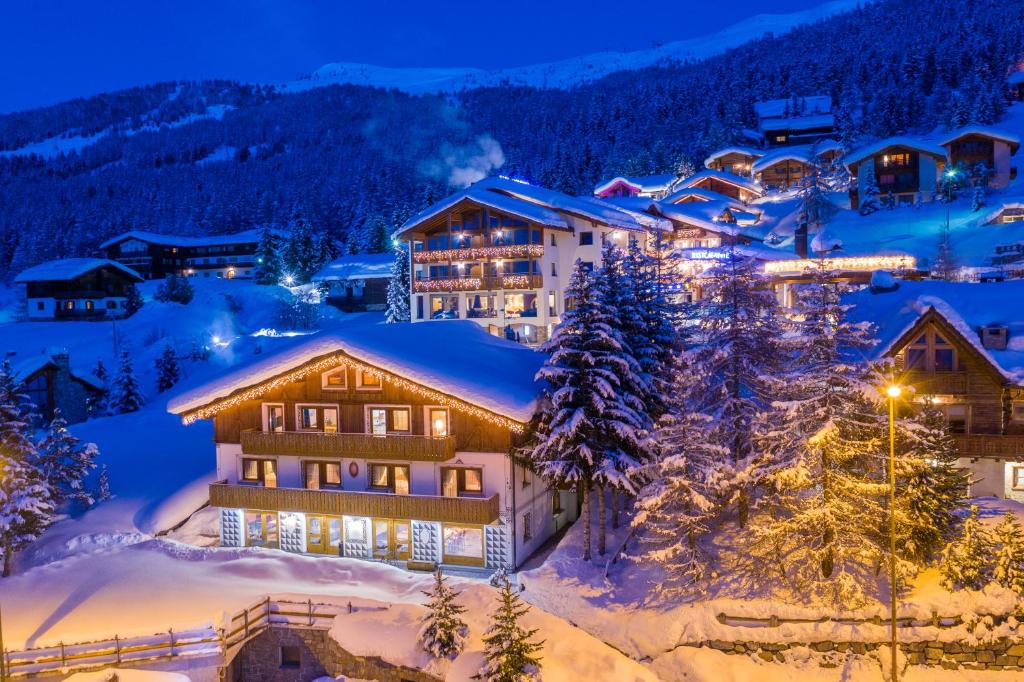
{"points": [[207, 641], [935, 620]]}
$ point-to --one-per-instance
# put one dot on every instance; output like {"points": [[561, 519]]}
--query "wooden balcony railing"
{"points": [[937, 383], [336, 503], [475, 253], [990, 445], [442, 284], [358, 445]]}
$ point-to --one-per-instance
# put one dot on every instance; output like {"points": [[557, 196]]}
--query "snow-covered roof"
{"points": [[246, 237], [1016, 78], [993, 215], [69, 268], [965, 306], [706, 214], [778, 108], [799, 122], [745, 151], [23, 370], [697, 193], [915, 143], [803, 153], [722, 176], [642, 183], [362, 266], [638, 204], [984, 131], [456, 357]]}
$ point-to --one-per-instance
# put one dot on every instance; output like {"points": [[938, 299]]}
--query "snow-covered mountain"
{"points": [[567, 72]]}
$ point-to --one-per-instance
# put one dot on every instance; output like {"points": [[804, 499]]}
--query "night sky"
{"points": [[54, 50]]}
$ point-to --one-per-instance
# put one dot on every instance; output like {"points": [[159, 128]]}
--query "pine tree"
{"points": [[301, 258], [399, 287], [510, 651], [133, 300], [25, 507], [126, 396], [65, 462], [740, 327], [932, 488], [175, 289], [978, 197], [1008, 537], [818, 529], [97, 401], [967, 561], [167, 369], [103, 485], [16, 416], [945, 267], [443, 634], [869, 202], [268, 260]]}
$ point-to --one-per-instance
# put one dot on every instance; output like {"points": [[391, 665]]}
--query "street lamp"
{"points": [[893, 391]]}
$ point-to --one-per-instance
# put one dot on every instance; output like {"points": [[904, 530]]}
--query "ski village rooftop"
{"points": [[684, 427]]}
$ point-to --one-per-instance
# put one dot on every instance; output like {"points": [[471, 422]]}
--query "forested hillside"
{"points": [[218, 157]]}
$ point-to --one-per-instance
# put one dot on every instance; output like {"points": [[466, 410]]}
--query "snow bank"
{"points": [[127, 675]]}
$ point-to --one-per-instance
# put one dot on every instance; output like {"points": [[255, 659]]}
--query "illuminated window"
{"points": [[321, 475], [384, 420], [1017, 477], [317, 418], [437, 420], [391, 478], [274, 422], [259, 472], [930, 352], [365, 381], [462, 482], [1017, 411], [334, 380]]}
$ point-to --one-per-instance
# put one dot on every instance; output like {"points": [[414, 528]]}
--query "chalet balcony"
{"points": [[489, 283], [479, 253], [357, 445], [990, 445], [937, 383], [480, 511]]}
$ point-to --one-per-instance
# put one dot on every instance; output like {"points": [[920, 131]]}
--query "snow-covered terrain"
{"points": [[568, 72]]}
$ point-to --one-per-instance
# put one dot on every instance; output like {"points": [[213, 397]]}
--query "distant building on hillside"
{"points": [[1015, 84], [787, 167], [735, 160], [653, 186], [797, 120], [155, 256], [972, 145], [77, 289], [50, 383], [727, 184], [358, 282], [906, 168]]}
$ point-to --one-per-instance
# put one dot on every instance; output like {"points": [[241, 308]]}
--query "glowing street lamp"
{"points": [[893, 391]]}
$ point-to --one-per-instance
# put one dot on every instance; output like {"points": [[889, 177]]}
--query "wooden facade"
{"points": [[736, 163]]}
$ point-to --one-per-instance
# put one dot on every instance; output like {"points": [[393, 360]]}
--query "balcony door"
{"points": [[275, 419]]}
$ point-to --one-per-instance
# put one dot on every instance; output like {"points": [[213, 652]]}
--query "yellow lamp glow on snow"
{"points": [[893, 391]]}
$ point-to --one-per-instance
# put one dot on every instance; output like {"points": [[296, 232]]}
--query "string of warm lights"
{"points": [[449, 284], [854, 263], [509, 251], [338, 360]]}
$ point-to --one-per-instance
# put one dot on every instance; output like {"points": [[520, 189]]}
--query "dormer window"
{"points": [[365, 381], [930, 352], [334, 380]]}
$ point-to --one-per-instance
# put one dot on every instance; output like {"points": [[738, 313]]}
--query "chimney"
{"points": [[800, 240], [995, 336]]}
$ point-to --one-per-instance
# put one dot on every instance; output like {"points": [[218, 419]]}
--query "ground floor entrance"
{"points": [[392, 539], [323, 534]]}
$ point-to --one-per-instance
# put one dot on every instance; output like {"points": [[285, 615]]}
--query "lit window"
{"points": [[1017, 477], [334, 380], [392, 478], [1017, 412], [259, 472], [318, 418], [438, 420], [460, 482], [366, 381], [461, 541], [385, 420], [319, 475]]}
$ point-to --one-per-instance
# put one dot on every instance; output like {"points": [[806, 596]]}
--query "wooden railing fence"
{"points": [[935, 620]]}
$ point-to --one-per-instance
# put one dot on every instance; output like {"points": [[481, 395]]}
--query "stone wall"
{"points": [[1000, 654], [259, 660]]}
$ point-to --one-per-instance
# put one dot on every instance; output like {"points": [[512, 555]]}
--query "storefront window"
{"points": [[464, 542]]}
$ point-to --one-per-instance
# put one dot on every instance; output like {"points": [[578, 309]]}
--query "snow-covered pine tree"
{"points": [[301, 259], [175, 289], [945, 267], [510, 650], [268, 259], [932, 488], [399, 287], [821, 444], [16, 416], [869, 203], [443, 633], [739, 331], [967, 561], [133, 300], [581, 416], [327, 248], [97, 402], [1008, 537], [25, 507], [978, 197], [814, 203], [167, 369], [103, 484], [65, 462], [126, 396]]}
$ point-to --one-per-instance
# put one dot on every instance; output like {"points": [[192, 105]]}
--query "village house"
{"points": [[907, 169], [786, 168], [735, 160], [956, 345], [1015, 85], [653, 186], [359, 282], [50, 384], [77, 289], [382, 442], [155, 256], [727, 184], [972, 145], [796, 120], [501, 252]]}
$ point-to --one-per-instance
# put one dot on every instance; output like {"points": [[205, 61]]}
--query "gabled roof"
{"points": [[706, 214], [722, 176], [804, 153], [454, 357], [26, 369], [777, 108], [799, 122], [914, 143], [964, 307], [983, 131], [698, 193], [69, 268], [361, 266], [246, 237], [746, 151], [641, 183]]}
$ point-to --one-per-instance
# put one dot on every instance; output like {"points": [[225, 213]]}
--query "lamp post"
{"points": [[893, 392]]}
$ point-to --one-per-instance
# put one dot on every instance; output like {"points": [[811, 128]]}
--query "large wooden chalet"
{"points": [[905, 168], [721, 182], [954, 344], [155, 256], [970, 146], [798, 120], [382, 442], [77, 289]]}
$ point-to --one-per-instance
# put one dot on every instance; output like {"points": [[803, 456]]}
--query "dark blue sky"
{"points": [[53, 50]]}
